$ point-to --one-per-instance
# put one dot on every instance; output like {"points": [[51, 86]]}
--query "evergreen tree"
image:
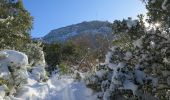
{"points": [[141, 63], [158, 12], [15, 24]]}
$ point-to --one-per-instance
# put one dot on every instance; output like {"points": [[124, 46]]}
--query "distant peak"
{"points": [[65, 33]]}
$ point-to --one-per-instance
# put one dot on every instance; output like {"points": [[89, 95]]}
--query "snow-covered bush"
{"points": [[35, 54], [112, 76], [39, 73], [36, 59], [138, 67], [14, 72], [120, 78]]}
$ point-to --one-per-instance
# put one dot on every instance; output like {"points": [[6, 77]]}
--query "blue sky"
{"points": [[53, 14]]}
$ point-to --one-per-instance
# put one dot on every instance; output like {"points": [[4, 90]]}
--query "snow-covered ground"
{"points": [[68, 89], [63, 88], [13, 69]]}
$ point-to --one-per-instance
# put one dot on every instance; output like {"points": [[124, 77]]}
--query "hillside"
{"points": [[92, 38], [89, 29]]}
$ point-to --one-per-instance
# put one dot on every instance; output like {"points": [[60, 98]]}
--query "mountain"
{"points": [[85, 30], [93, 38]]}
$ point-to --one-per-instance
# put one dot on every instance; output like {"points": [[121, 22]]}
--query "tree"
{"points": [[126, 31], [15, 24], [56, 54], [141, 62], [52, 55], [158, 11]]}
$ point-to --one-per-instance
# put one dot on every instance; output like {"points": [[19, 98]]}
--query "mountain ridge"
{"points": [[66, 33]]}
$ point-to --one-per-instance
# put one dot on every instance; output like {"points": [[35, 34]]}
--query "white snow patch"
{"points": [[2, 92], [112, 66], [108, 56], [128, 55], [131, 23], [64, 88], [37, 91], [140, 76], [2, 20], [14, 59], [164, 7], [106, 95], [67, 89], [100, 73], [121, 65], [138, 43], [38, 72], [130, 85], [14, 56], [152, 44], [56, 88]]}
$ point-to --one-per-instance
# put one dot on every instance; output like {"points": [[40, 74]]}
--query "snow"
{"points": [[164, 7], [63, 88], [2, 92], [18, 62], [108, 56], [165, 60], [130, 23], [37, 91], [101, 73], [106, 95], [116, 76], [130, 85], [140, 76], [113, 48], [2, 20], [112, 66], [152, 44], [6, 19], [3, 55], [121, 65], [14, 56], [38, 72], [128, 55], [56, 88], [68, 89], [138, 43]]}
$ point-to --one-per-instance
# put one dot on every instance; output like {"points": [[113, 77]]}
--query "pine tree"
{"points": [[15, 24]]}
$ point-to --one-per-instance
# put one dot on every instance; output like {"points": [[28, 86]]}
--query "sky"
{"points": [[53, 14]]}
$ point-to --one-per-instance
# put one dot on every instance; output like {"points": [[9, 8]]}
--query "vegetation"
{"points": [[140, 56], [138, 67], [125, 35], [72, 55], [15, 24], [55, 54]]}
